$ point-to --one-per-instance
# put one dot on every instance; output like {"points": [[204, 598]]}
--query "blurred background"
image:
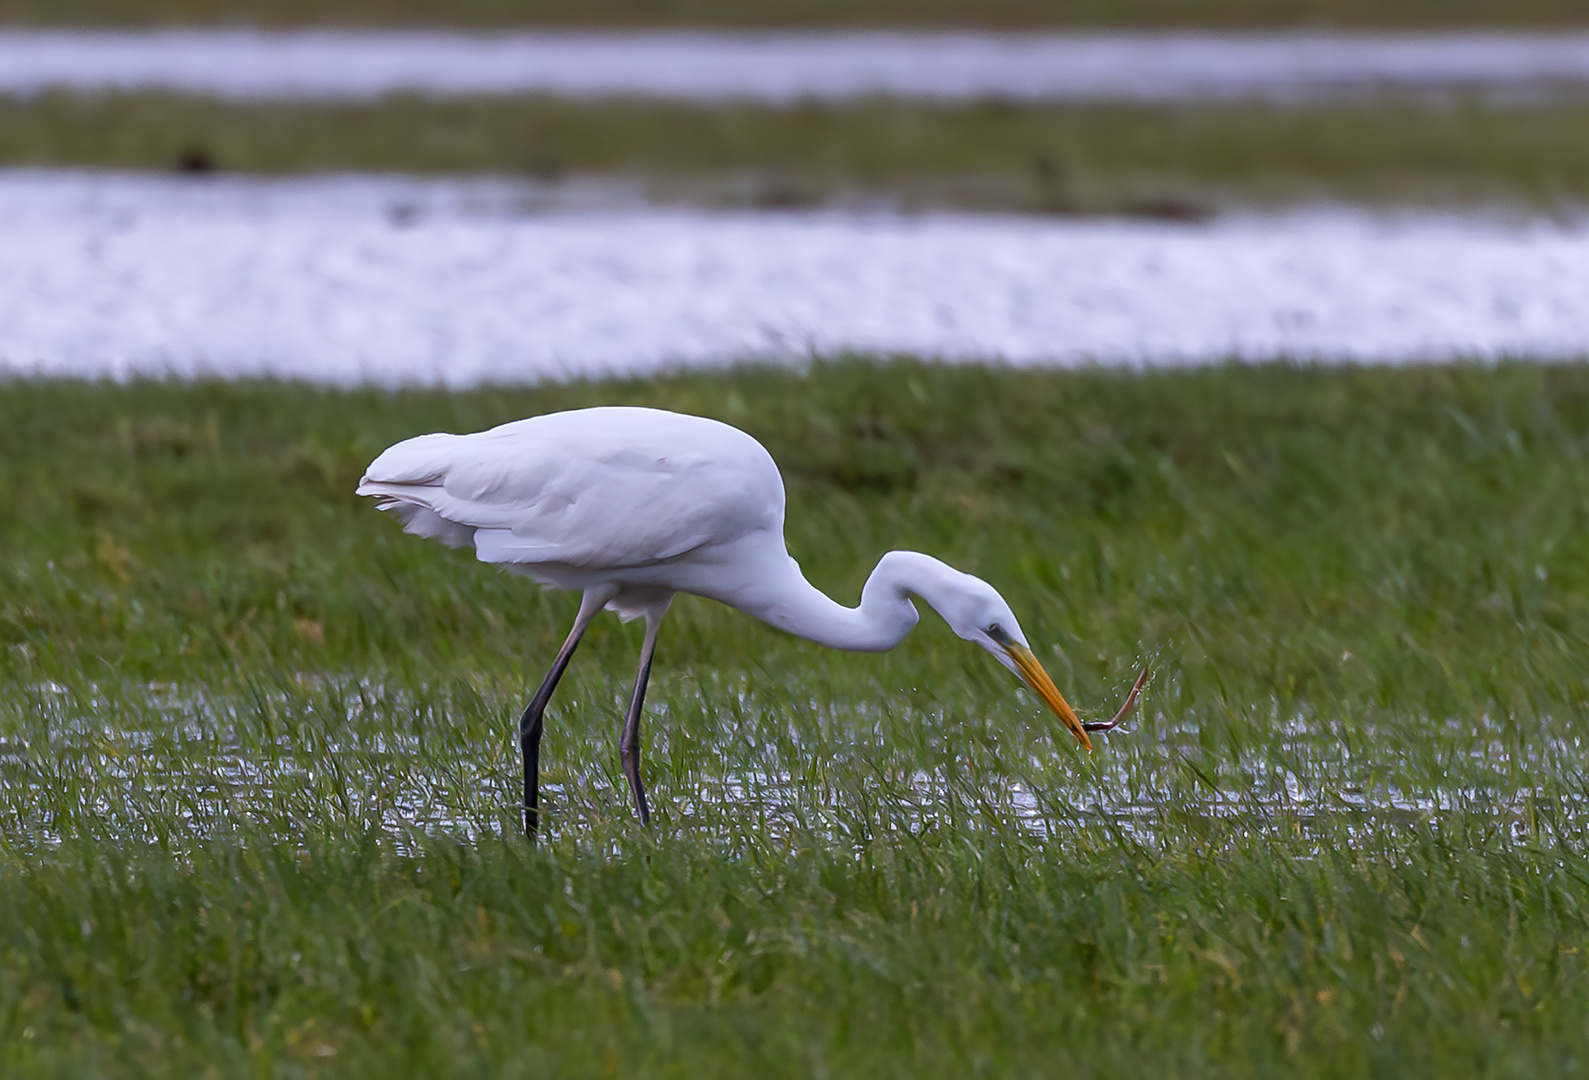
{"points": [[1428, 144], [1142, 114], [992, 14]]}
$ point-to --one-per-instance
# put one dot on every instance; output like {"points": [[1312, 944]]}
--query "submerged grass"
{"points": [[256, 758], [1053, 158]]}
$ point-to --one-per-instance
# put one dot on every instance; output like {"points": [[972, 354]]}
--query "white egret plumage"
{"points": [[632, 506]]}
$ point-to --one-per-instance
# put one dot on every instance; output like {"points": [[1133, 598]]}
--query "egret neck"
{"points": [[882, 620]]}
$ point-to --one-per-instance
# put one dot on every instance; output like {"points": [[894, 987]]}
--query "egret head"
{"points": [[977, 612]]}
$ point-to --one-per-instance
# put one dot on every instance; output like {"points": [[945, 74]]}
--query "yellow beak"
{"points": [[1033, 674]]}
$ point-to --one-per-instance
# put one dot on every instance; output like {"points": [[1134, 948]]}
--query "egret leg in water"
{"points": [[531, 723], [629, 750]]}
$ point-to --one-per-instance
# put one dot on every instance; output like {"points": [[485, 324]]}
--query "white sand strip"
{"points": [[784, 67], [393, 281]]}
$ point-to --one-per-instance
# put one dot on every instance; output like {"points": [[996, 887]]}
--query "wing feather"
{"points": [[608, 487]]}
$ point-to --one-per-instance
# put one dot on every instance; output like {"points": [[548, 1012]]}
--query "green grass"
{"points": [[998, 14], [1055, 158], [256, 745]]}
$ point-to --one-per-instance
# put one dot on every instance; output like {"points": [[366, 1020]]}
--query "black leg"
{"points": [[629, 746], [530, 723]]}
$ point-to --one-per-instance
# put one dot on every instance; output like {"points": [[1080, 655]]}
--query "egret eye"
{"points": [[993, 628]]}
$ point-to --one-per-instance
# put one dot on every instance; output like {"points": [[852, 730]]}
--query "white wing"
{"points": [[604, 487]]}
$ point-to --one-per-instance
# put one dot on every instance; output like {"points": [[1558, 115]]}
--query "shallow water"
{"points": [[348, 279], [178, 765], [786, 66]]}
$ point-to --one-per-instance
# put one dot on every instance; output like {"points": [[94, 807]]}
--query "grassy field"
{"points": [[1001, 14], [256, 765], [989, 156]]}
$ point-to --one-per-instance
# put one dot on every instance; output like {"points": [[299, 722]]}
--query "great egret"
{"points": [[631, 506]]}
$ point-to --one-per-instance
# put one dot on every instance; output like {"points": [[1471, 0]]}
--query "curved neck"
{"points": [[882, 620]]}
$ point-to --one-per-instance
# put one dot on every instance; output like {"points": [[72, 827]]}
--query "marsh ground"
{"points": [[1168, 161], [256, 762]]}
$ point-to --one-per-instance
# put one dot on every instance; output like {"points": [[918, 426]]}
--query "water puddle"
{"points": [[367, 279], [176, 765], [783, 67]]}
